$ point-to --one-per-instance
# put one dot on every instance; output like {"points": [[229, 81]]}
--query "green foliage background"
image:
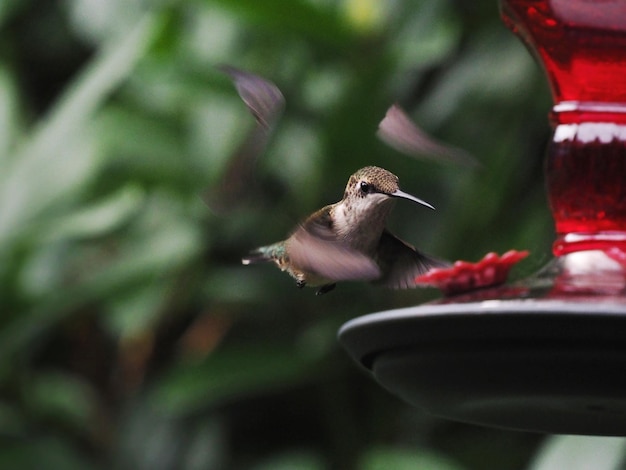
{"points": [[130, 335]]}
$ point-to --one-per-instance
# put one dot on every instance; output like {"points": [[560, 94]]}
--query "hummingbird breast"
{"points": [[338, 242], [361, 223]]}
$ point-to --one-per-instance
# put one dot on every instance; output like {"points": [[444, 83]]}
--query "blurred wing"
{"points": [[402, 263], [314, 248], [265, 102], [399, 132], [262, 97]]}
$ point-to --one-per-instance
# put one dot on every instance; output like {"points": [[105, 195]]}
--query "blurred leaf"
{"points": [[97, 219], [295, 159], [293, 461], [9, 125], [53, 453], [62, 398], [162, 243], [216, 127], [12, 422], [429, 33], [324, 88], [230, 374], [96, 20], [212, 34], [234, 284], [398, 459], [500, 76], [138, 310], [150, 438], [143, 148], [38, 158], [9, 7], [366, 16], [297, 17], [580, 453]]}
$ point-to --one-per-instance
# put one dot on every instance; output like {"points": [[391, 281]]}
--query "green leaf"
{"points": [[96, 219], [231, 374], [12, 422], [435, 28], [63, 398], [149, 438], [47, 149], [295, 16], [9, 7], [161, 243], [137, 310], [8, 115], [53, 453], [384, 458], [293, 460]]}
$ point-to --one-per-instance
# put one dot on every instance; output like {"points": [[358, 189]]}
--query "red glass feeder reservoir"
{"points": [[548, 353]]}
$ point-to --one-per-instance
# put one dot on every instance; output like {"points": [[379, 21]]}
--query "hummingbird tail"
{"points": [[262, 255], [255, 257]]}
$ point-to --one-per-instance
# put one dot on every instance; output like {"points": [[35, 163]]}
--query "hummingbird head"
{"points": [[360, 216], [373, 185]]}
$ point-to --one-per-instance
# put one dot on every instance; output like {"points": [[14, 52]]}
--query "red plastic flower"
{"points": [[464, 276]]}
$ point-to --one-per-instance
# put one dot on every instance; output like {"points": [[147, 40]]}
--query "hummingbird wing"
{"points": [[399, 132], [401, 263], [265, 102], [315, 248], [261, 97]]}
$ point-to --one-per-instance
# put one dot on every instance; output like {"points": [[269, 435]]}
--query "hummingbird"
{"points": [[348, 240]]}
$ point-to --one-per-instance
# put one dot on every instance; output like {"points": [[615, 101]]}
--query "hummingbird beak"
{"points": [[403, 195]]}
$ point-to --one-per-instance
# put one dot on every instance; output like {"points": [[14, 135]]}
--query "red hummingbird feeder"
{"points": [[546, 354]]}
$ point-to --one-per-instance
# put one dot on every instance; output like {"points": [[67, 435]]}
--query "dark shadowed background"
{"points": [[130, 334]]}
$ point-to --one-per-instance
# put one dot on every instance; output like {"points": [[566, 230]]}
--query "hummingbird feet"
{"points": [[324, 289], [300, 283]]}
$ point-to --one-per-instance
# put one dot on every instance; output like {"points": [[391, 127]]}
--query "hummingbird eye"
{"points": [[365, 187]]}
